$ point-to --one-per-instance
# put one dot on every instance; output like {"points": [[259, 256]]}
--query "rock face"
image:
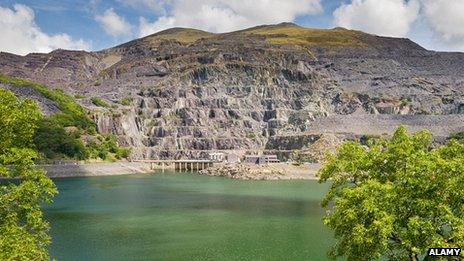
{"points": [[183, 92]]}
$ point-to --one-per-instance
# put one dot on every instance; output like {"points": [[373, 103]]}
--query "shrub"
{"points": [[459, 136], [123, 153]]}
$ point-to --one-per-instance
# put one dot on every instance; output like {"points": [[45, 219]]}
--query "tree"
{"points": [[395, 198], [23, 232], [54, 141]]}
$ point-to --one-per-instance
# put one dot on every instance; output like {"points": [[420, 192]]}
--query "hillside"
{"points": [[185, 92]]}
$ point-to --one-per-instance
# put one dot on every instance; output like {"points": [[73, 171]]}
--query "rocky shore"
{"points": [[96, 169], [263, 172]]}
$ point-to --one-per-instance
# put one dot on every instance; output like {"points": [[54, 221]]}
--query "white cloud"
{"points": [[224, 15], [446, 18], [21, 35], [113, 24], [383, 17]]}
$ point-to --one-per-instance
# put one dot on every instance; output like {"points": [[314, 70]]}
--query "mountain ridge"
{"points": [[244, 90]]}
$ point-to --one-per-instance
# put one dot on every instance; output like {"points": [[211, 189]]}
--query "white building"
{"points": [[217, 156]]}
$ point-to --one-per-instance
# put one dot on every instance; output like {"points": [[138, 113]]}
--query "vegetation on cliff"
{"points": [[61, 134], [395, 198], [23, 231], [459, 136], [72, 114], [99, 102]]}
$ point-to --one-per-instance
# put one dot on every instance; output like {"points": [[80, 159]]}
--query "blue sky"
{"points": [[44, 25]]}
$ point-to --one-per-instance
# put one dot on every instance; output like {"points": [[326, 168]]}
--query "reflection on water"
{"points": [[187, 217]]}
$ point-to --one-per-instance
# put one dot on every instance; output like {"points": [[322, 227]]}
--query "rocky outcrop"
{"points": [[317, 151], [246, 172], [271, 88]]}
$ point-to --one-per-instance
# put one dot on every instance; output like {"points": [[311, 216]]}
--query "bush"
{"points": [[106, 147], [123, 153], [459, 136]]}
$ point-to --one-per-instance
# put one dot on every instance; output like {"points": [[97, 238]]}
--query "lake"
{"points": [[175, 216]]}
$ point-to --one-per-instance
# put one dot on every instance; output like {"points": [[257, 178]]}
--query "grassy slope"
{"points": [[72, 114], [183, 35], [294, 34], [285, 33]]}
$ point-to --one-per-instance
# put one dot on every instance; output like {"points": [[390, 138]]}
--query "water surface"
{"points": [[187, 217]]}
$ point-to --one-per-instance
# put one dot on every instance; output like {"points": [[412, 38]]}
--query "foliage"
{"points": [[99, 102], [300, 157], [53, 137], [72, 114], [395, 198], [459, 136], [369, 140], [106, 147], [23, 232], [54, 141]]}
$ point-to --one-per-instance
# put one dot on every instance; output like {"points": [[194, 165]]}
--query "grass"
{"points": [[294, 34], [183, 35], [285, 33]]}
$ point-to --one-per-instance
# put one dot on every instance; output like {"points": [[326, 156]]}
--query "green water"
{"points": [[187, 217]]}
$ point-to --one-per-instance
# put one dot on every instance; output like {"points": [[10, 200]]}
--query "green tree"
{"points": [[54, 141], [23, 231], [395, 198]]}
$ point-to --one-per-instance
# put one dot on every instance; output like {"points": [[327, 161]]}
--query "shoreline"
{"points": [[96, 169], [271, 171], [278, 171]]}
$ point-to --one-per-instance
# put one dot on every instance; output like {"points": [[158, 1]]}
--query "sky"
{"points": [[44, 25]]}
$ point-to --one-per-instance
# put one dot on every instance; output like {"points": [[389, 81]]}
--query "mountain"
{"points": [[184, 92]]}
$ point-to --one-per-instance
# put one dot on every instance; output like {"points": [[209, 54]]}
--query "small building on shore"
{"points": [[224, 157], [216, 156], [261, 159], [271, 159]]}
